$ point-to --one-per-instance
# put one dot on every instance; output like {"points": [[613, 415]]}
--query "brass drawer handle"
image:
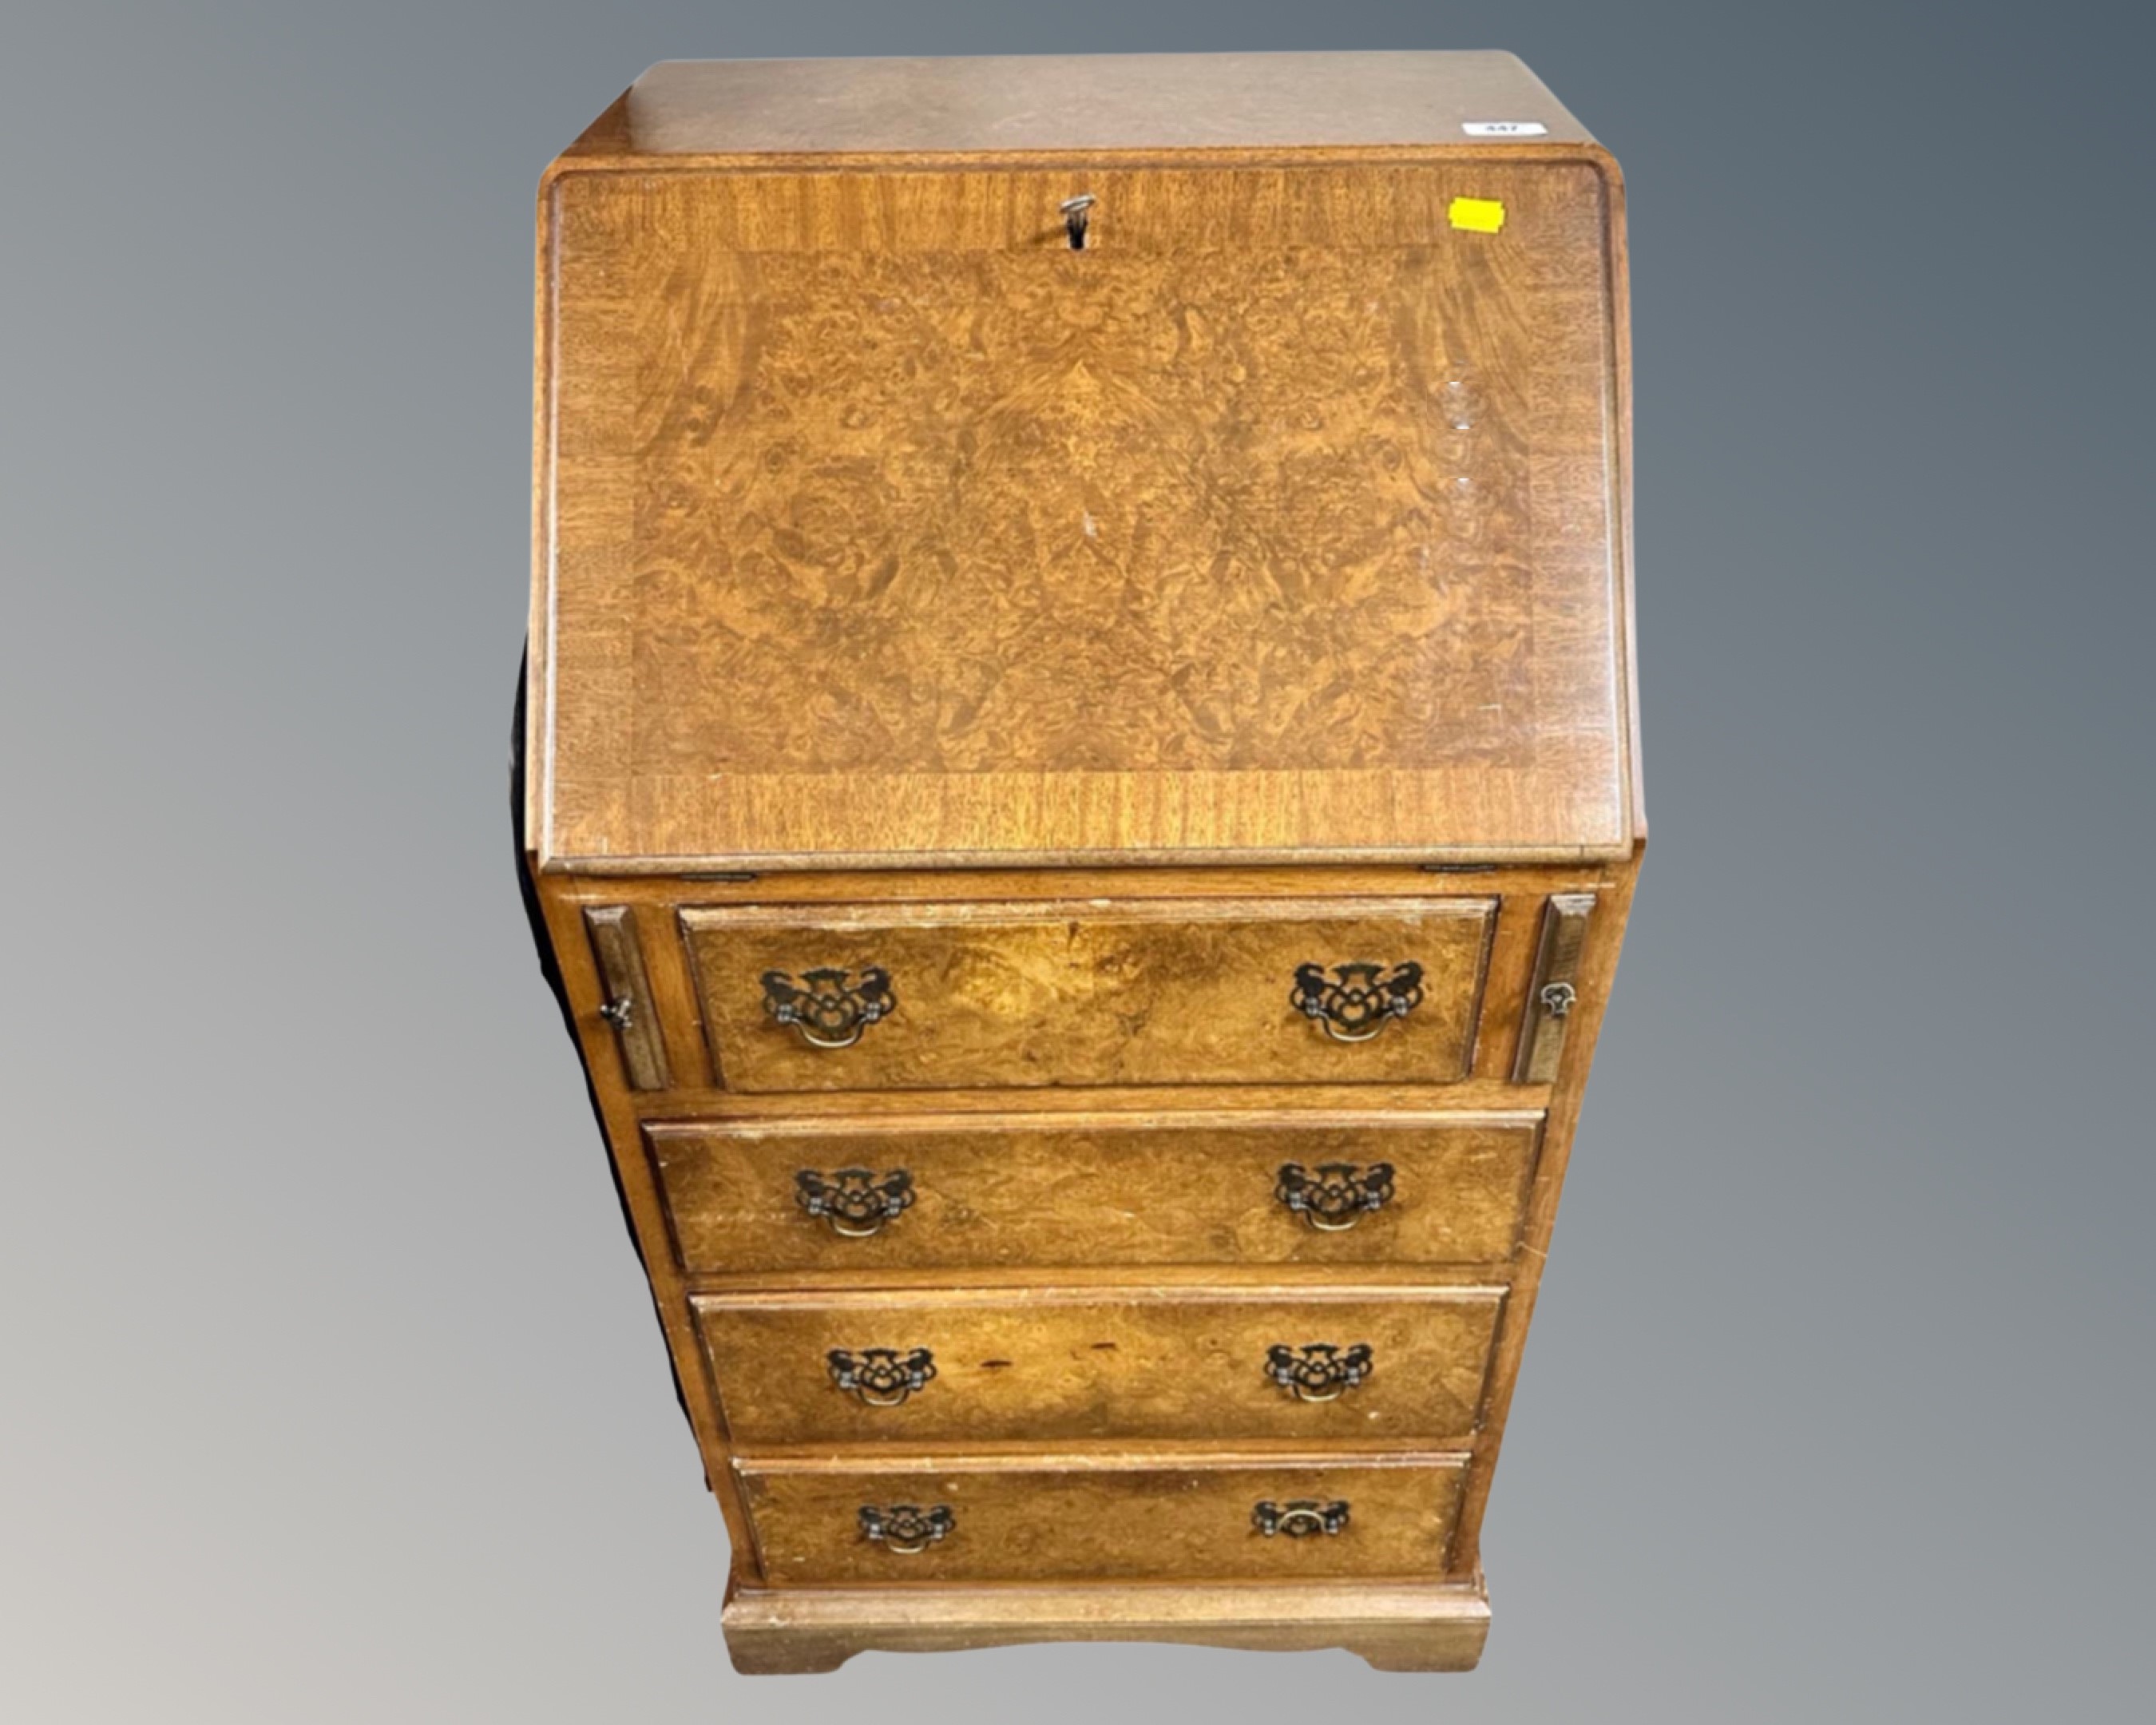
{"points": [[881, 1377], [1318, 1371], [1358, 1000], [853, 1200], [1338, 1196], [825, 1009], [907, 1529], [1298, 1518]]}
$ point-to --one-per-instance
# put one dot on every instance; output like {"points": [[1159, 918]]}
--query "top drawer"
{"points": [[1161, 991]]}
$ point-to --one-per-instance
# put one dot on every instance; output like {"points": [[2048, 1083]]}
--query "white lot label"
{"points": [[1504, 128]]}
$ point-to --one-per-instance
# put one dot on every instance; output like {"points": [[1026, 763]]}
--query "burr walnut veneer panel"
{"points": [[1275, 522]]}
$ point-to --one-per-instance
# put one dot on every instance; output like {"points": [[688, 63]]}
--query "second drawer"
{"points": [[1049, 1191], [1056, 1364]]}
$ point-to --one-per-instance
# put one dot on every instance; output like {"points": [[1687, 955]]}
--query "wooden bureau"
{"points": [[1079, 784]]}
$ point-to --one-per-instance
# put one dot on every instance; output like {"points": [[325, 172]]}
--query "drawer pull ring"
{"points": [[1298, 1518], [907, 1529], [881, 1377], [827, 1010], [1318, 1371], [853, 1200], [1338, 1195], [1556, 999], [1358, 1000]]}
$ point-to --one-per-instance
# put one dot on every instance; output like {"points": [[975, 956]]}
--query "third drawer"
{"points": [[1051, 1364]]}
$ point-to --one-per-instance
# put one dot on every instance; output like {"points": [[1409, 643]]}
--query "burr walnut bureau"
{"points": [[1081, 792]]}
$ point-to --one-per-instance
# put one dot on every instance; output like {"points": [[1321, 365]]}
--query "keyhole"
{"points": [[1074, 213]]}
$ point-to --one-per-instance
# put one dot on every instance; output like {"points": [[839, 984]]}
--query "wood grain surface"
{"points": [[618, 950], [1278, 521], [1005, 104], [1088, 637], [1049, 1192], [810, 1113], [1551, 990], [1055, 1365], [1067, 1517], [1397, 1626], [1158, 992]]}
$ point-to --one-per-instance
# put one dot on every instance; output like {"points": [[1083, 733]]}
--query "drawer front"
{"points": [[1147, 992], [1048, 1365], [956, 1191], [1067, 1519]]}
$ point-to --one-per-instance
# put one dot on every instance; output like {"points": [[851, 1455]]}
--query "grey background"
{"points": [[331, 1392]]}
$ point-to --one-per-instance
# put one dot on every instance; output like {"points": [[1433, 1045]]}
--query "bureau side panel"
{"points": [[1597, 973], [641, 1199]]}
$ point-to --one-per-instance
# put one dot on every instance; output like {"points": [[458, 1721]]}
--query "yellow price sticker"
{"points": [[1478, 215]]}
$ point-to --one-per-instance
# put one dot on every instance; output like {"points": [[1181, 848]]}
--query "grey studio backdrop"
{"points": [[331, 1391]]}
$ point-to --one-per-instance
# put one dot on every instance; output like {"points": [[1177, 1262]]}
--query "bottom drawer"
{"points": [[1082, 1519]]}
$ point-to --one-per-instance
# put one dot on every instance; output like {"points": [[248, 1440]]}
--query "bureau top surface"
{"points": [[1281, 520], [1012, 104]]}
